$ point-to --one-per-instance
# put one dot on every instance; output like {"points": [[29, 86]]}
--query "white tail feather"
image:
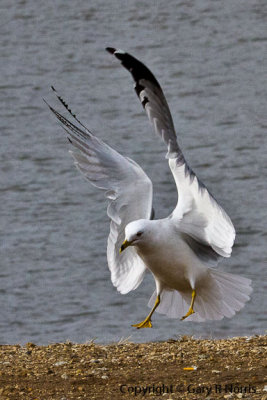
{"points": [[222, 296]]}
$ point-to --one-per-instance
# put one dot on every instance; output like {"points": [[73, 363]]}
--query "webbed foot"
{"points": [[144, 324], [190, 312]]}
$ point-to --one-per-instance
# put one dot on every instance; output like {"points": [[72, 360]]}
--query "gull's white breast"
{"points": [[170, 259]]}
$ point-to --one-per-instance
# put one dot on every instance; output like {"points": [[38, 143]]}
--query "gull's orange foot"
{"points": [[190, 312], [144, 324]]}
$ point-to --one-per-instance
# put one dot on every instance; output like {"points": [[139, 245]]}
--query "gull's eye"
{"points": [[139, 234]]}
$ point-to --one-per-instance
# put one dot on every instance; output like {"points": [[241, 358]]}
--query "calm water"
{"points": [[211, 62]]}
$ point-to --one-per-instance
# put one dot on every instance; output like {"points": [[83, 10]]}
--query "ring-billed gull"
{"points": [[181, 250]]}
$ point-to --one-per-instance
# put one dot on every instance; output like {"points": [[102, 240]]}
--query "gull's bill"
{"points": [[181, 250]]}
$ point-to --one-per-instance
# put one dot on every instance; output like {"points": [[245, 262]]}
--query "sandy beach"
{"points": [[186, 368]]}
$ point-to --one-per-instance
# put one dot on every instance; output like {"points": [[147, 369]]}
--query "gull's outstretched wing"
{"points": [[197, 214], [129, 193], [152, 98]]}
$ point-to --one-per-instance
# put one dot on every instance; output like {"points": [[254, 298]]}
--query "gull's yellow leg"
{"points": [[190, 311], [147, 322]]}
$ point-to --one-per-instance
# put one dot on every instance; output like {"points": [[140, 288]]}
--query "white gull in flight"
{"points": [[181, 250]]}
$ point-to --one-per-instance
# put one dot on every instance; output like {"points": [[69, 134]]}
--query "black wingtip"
{"points": [[52, 87], [110, 50]]}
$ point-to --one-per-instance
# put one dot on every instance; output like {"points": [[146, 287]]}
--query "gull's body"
{"points": [[181, 250], [182, 270]]}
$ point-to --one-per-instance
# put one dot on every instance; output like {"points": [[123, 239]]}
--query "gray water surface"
{"points": [[210, 58]]}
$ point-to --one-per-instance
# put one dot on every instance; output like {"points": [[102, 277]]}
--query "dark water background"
{"points": [[210, 58]]}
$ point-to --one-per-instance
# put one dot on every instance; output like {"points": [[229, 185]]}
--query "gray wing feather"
{"points": [[204, 252], [129, 194]]}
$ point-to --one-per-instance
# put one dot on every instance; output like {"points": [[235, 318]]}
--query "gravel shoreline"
{"points": [[186, 368]]}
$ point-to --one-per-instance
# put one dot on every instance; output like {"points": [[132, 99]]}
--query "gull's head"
{"points": [[135, 233]]}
